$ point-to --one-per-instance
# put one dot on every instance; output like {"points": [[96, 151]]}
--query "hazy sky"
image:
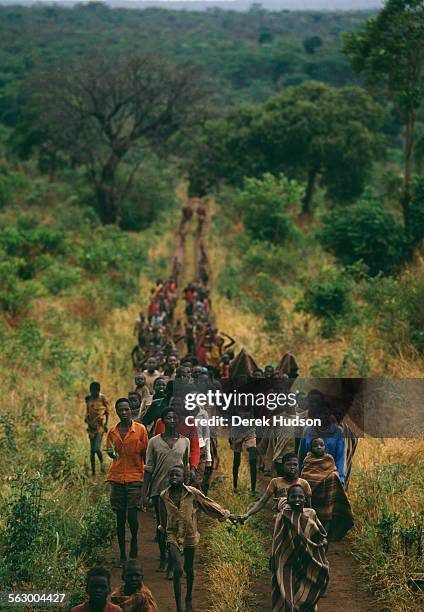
{"points": [[230, 4]]}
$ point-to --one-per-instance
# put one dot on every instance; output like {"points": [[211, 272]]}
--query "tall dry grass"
{"points": [[301, 332], [42, 412], [387, 474], [387, 496], [236, 556]]}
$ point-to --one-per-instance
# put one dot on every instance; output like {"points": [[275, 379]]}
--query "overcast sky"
{"points": [[229, 4]]}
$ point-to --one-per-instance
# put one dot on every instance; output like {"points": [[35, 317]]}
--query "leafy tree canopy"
{"points": [[265, 203], [367, 233]]}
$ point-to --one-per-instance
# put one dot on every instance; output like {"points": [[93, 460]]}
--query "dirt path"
{"points": [[148, 548], [344, 591], [156, 581]]}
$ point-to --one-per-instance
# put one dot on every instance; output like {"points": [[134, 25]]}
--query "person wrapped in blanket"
{"points": [[328, 430], [329, 498], [299, 566]]}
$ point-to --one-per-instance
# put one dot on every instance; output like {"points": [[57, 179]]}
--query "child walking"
{"points": [[126, 444], [300, 570], [329, 498], [179, 505], [278, 487]]}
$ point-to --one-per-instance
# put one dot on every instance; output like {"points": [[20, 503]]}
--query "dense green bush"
{"points": [[15, 295], [396, 306], [365, 232], [269, 298], [110, 249], [28, 243], [99, 524], [5, 187], [58, 277], [264, 204], [270, 258], [311, 44], [58, 460], [327, 296], [153, 193], [72, 216], [229, 280], [415, 223], [20, 534]]}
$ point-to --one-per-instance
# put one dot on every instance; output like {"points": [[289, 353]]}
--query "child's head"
{"points": [[196, 371], [94, 389], [182, 373], [123, 409], [134, 399], [151, 364], [289, 466], [132, 575], [140, 380], [159, 387], [172, 361], [176, 475], [170, 417], [318, 447], [296, 498], [269, 371], [98, 586]]}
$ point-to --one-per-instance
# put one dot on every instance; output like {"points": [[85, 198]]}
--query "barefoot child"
{"points": [[133, 595], [126, 444], [165, 450], [328, 495], [299, 566], [96, 417], [277, 487], [178, 520], [98, 589]]}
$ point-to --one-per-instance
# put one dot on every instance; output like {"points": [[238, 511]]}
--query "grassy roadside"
{"points": [[387, 496], [386, 489], [55, 520], [236, 556], [255, 292]]}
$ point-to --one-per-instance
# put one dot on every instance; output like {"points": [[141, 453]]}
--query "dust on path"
{"points": [[345, 591], [148, 555]]}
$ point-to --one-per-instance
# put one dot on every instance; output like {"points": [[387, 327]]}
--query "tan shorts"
{"points": [[243, 439]]}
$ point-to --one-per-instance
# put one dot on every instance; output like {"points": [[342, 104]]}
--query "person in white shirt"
{"points": [[203, 433]]}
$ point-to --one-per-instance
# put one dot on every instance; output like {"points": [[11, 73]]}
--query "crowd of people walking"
{"points": [[161, 463]]}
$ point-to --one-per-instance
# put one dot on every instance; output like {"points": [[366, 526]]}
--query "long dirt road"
{"points": [[344, 592]]}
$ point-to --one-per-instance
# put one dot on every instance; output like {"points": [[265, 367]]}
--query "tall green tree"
{"points": [[316, 132], [389, 53], [103, 114], [223, 149], [310, 132]]}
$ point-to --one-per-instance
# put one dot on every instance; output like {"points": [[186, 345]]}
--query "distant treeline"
{"points": [[246, 56]]}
